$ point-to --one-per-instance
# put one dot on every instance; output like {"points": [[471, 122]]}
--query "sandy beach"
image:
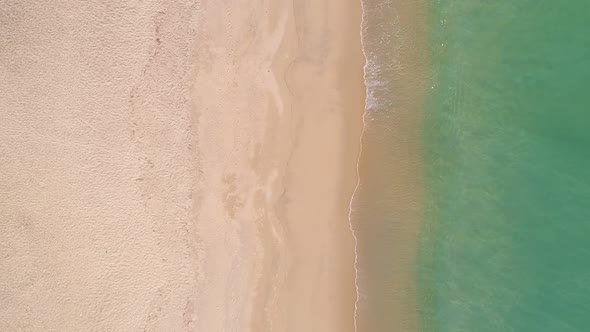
{"points": [[179, 165]]}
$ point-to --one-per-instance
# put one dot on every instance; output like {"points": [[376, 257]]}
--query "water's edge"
{"points": [[385, 210], [358, 178]]}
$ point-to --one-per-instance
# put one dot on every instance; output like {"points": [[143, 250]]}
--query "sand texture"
{"points": [[178, 165]]}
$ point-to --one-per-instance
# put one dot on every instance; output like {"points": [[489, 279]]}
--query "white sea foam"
{"points": [[368, 99]]}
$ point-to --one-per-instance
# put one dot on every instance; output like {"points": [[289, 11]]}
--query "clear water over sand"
{"points": [[472, 213], [505, 247]]}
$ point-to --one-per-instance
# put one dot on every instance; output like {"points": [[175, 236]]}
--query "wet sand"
{"points": [[179, 165]]}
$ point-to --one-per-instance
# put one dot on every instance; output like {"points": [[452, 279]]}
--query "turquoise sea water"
{"points": [[505, 244]]}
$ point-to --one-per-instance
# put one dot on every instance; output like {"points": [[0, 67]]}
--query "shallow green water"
{"points": [[506, 241]]}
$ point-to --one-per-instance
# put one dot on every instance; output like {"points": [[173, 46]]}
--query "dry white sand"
{"points": [[178, 165]]}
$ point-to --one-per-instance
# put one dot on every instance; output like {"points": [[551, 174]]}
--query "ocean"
{"points": [[476, 217]]}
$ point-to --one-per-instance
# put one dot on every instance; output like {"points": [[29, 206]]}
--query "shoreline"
{"points": [[391, 136], [357, 167]]}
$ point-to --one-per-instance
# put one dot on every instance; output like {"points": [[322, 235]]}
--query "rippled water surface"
{"points": [[497, 178]]}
